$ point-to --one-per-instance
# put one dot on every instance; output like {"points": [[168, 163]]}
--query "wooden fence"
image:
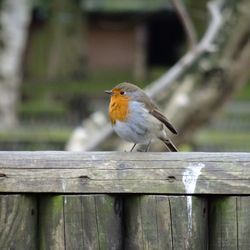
{"points": [[110, 200]]}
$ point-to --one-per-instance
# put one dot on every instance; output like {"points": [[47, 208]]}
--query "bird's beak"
{"points": [[109, 92]]}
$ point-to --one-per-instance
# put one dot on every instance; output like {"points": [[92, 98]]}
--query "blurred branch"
{"points": [[201, 103], [205, 46], [94, 130], [186, 22], [99, 134], [204, 91]]}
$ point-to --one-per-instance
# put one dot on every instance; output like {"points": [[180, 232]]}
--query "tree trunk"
{"points": [[14, 22]]}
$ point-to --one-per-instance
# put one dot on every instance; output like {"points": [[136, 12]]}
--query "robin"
{"points": [[135, 118]]}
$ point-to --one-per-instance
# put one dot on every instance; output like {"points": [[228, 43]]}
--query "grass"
{"points": [[42, 107], [244, 93], [237, 139], [228, 139], [36, 134]]}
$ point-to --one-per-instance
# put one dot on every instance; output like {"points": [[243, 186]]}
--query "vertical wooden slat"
{"points": [[81, 222], [189, 222], [243, 216], [51, 223], [145, 224], [222, 223], [93, 222], [18, 222], [165, 222], [229, 223]]}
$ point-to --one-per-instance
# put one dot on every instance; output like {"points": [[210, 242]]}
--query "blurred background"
{"points": [[58, 56]]}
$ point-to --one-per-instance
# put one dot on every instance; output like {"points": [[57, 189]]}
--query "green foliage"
{"points": [[198, 14], [225, 138], [42, 3], [244, 93], [36, 134], [41, 108], [126, 6]]}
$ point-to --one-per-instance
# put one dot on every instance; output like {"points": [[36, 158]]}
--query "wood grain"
{"points": [[51, 223], [155, 222], [118, 172], [18, 218], [229, 223], [80, 222]]}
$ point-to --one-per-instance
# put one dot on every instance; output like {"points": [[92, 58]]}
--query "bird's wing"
{"points": [[153, 110], [157, 114]]}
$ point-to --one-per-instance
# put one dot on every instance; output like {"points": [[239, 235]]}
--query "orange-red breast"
{"points": [[136, 118]]}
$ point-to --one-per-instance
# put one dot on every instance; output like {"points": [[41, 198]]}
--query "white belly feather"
{"points": [[140, 126]]}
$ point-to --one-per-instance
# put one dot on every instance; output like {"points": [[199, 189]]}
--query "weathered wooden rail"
{"points": [[101, 200]]}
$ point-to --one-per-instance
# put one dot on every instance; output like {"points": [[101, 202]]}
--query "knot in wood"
{"points": [[171, 178], [3, 175], [84, 178]]}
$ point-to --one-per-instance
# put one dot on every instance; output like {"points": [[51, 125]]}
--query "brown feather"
{"points": [[157, 114], [169, 144]]}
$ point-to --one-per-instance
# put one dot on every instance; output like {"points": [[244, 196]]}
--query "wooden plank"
{"points": [[112, 172], [80, 222], [51, 223], [243, 222], [229, 219], [189, 222], [60, 159], [165, 222], [18, 218]]}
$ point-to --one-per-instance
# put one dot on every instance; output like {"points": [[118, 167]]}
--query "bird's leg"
{"points": [[148, 147], [132, 147], [144, 147]]}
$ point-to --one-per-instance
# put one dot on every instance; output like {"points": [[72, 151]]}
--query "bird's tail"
{"points": [[169, 144]]}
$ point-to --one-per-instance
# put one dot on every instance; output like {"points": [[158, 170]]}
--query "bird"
{"points": [[136, 118]]}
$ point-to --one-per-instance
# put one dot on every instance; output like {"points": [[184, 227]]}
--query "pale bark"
{"points": [[14, 22]]}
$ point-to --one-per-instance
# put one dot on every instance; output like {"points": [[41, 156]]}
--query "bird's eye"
{"points": [[122, 92]]}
